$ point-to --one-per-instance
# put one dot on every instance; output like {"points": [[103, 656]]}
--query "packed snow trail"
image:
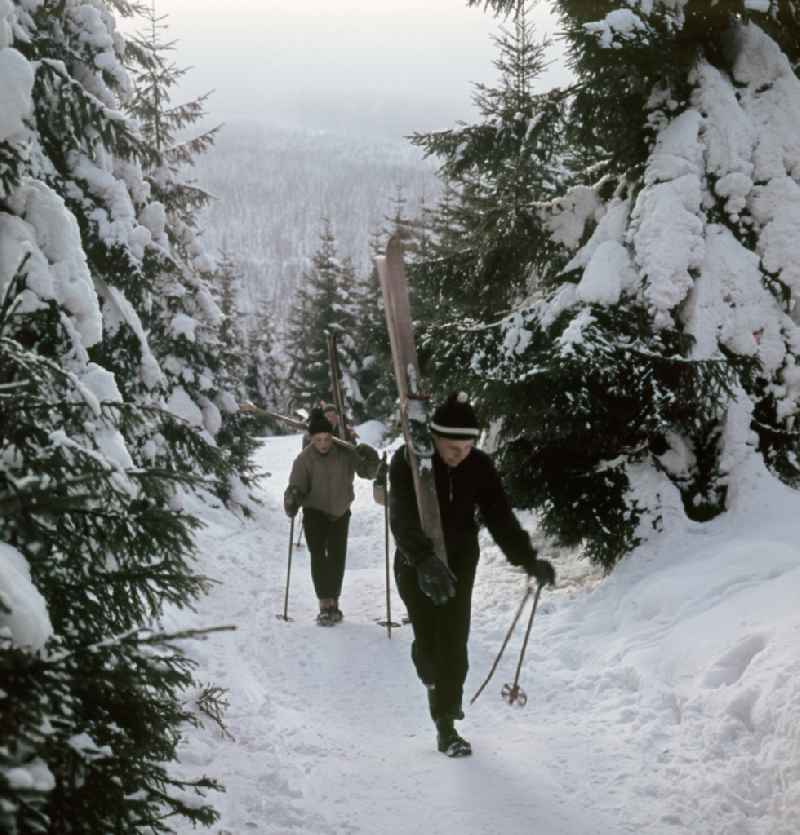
{"points": [[663, 701], [330, 725]]}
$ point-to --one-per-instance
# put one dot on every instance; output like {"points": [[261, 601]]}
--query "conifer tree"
{"points": [[439, 232], [183, 317], [263, 377], [324, 303], [347, 327], [170, 153], [376, 376], [233, 358], [298, 395], [232, 332], [489, 237], [92, 545], [662, 373]]}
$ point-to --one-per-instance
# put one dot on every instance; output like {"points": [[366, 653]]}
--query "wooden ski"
{"points": [[413, 402], [336, 389]]}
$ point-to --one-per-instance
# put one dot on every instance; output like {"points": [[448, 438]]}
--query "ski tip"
{"points": [[394, 247]]}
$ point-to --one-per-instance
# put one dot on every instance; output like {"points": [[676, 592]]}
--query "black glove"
{"points": [[291, 501], [380, 475], [368, 458], [436, 580], [379, 483], [542, 570]]}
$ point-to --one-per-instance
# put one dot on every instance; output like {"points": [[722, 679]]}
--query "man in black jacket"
{"points": [[438, 597]]}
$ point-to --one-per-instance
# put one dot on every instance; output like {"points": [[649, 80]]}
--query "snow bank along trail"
{"points": [[661, 700]]}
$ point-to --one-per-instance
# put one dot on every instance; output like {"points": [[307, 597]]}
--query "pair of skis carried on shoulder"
{"points": [[336, 387], [291, 422], [414, 402]]}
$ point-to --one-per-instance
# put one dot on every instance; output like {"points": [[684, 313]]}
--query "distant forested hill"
{"points": [[274, 184]]}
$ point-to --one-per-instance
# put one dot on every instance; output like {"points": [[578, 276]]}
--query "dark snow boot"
{"points": [[448, 740], [325, 618]]}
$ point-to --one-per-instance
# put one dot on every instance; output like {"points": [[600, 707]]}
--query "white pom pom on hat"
{"points": [[455, 418]]}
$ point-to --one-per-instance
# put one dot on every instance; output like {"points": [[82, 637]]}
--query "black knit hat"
{"points": [[456, 419], [317, 422]]}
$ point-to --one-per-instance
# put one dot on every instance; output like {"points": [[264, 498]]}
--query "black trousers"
{"points": [[327, 542], [439, 650]]}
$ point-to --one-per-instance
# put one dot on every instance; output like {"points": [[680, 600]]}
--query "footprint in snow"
{"points": [[732, 665]]}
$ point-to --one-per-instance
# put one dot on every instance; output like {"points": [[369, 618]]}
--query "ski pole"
{"points": [[388, 623], [299, 542], [505, 643], [285, 615], [514, 693]]}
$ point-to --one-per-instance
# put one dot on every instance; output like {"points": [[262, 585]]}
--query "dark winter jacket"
{"points": [[473, 486]]}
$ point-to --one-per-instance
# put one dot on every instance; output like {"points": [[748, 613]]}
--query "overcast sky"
{"points": [[390, 66]]}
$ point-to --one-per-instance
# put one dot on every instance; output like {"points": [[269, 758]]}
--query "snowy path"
{"points": [[330, 725], [655, 705]]}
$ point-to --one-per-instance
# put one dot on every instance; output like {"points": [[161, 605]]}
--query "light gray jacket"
{"points": [[325, 482]]}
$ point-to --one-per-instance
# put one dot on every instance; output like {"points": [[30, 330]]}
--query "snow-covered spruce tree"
{"points": [[232, 345], [264, 375], [91, 702], [375, 377], [234, 358], [439, 225], [90, 708], [324, 303], [663, 372], [347, 328], [183, 318], [489, 239], [296, 351]]}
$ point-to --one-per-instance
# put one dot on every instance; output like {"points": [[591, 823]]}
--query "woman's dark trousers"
{"points": [[327, 542]]}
